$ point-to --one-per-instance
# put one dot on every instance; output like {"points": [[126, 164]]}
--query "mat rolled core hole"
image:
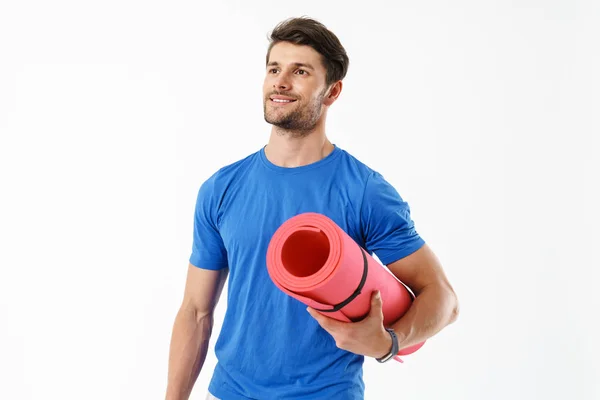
{"points": [[305, 252]]}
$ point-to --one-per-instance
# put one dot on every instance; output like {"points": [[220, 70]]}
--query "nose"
{"points": [[281, 82]]}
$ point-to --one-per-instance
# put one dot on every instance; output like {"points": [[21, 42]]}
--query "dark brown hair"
{"points": [[307, 31]]}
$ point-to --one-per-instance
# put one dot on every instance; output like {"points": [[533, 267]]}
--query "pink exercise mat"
{"points": [[313, 260]]}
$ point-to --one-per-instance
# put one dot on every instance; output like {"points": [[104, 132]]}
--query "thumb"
{"points": [[376, 304]]}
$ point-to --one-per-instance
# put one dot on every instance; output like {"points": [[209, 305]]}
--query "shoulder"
{"points": [[357, 169], [219, 180], [373, 180]]}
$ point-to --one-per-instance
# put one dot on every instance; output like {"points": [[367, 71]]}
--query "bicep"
{"points": [[203, 288], [420, 269]]}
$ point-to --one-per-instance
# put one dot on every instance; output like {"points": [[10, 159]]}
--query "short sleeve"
{"points": [[387, 226], [208, 250]]}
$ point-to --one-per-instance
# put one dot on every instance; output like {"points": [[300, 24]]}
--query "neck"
{"points": [[290, 150]]}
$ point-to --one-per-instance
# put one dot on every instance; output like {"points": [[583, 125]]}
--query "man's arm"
{"points": [[192, 329], [435, 305]]}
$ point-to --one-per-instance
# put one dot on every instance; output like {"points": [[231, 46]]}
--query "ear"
{"points": [[333, 93]]}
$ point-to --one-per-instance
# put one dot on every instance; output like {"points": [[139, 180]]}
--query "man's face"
{"points": [[304, 85]]}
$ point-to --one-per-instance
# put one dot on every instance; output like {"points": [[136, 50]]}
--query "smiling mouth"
{"points": [[277, 101]]}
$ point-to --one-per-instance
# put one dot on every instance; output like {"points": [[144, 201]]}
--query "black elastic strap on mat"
{"points": [[341, 305]]}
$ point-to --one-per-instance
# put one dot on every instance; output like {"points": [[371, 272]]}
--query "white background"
{"points": [[483, 114]]}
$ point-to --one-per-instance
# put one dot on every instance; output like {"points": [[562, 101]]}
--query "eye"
{"points": [[273, 69], [301, 70]]}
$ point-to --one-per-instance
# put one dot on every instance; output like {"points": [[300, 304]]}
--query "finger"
{"points": [[320, 319], [376, 305], [329, 324]]}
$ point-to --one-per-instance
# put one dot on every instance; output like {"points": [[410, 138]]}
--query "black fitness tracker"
{"points": [[394, 350]]}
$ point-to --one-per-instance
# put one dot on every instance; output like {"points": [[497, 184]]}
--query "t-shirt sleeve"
{"points": [[208, 250], [387, 226]]}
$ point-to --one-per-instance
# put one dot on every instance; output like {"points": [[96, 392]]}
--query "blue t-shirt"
{"points": [[269, 347]]}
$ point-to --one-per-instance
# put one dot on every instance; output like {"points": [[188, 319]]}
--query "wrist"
{"points": [[385, 344], [393, 349]]}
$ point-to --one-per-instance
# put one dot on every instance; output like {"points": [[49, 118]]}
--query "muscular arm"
{"points": [[435, 305], [192, 329]]}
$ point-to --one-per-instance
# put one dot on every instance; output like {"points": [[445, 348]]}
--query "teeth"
{"points": [[282, 101]]}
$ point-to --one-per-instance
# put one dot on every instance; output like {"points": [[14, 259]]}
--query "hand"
{"points": [[367, 337]]}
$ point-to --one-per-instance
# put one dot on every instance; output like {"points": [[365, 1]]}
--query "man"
{"points": [[270, 347]]}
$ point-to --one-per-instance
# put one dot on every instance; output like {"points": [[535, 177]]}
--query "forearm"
{"points": [[435, 307], [188, 349]]}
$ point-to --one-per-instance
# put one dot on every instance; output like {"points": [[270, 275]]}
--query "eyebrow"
{"points": [[296, 64]]}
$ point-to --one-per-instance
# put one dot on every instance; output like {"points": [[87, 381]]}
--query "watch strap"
{"points": [[394, 351]]}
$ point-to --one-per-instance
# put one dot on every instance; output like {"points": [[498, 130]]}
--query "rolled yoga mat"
{"points": [[313, 260]]}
